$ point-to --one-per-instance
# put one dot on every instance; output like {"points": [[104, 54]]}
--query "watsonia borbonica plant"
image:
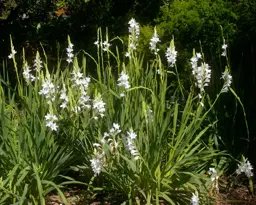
{"points": [[122, 128]]}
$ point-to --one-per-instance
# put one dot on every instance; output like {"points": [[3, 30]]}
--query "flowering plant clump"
{"points": [[99, 159], [154, 143]]}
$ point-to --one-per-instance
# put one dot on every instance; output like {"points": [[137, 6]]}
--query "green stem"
{"points": [[179, 81]]}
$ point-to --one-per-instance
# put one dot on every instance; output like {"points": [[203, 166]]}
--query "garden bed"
{"points": [[76, 196]]}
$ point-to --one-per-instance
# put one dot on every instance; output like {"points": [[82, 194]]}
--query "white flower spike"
{"points": [[70, 50], [153, 42], [171, 54], [227, 81]]}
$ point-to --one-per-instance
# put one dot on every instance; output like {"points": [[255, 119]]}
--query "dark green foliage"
{"points": [[192, 21]]}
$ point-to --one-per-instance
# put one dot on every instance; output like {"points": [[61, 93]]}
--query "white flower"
{"points": [[51, 117], [127, 54], [154, 40], [159, 72], [213, 173], [50, 121], [106, 45], [48, 90], [123, 80], [134, 152], [99, 105], [105, 134], [171, 54], [245, 167], [131, 134], [64, 97], [13, 52], [97, 43], [194, 61], [132, 46], [24, 16], [130, 144], [115, 129], [85, 82], [224, 48], [84, 99], [79, 79], [198, 55], [96, 145], [27, 75], [201, 103], [70, 52], [97, 163], [194, 199], [227, 80], [103, 140]]}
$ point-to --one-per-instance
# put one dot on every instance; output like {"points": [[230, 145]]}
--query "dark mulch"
{"points": [[239, 195], [77, 196]]}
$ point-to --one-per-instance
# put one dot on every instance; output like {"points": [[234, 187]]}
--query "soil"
{"points": [[238, 196]]}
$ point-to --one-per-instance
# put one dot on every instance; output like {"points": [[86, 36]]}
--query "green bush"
{"points": [[192, 21]]}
